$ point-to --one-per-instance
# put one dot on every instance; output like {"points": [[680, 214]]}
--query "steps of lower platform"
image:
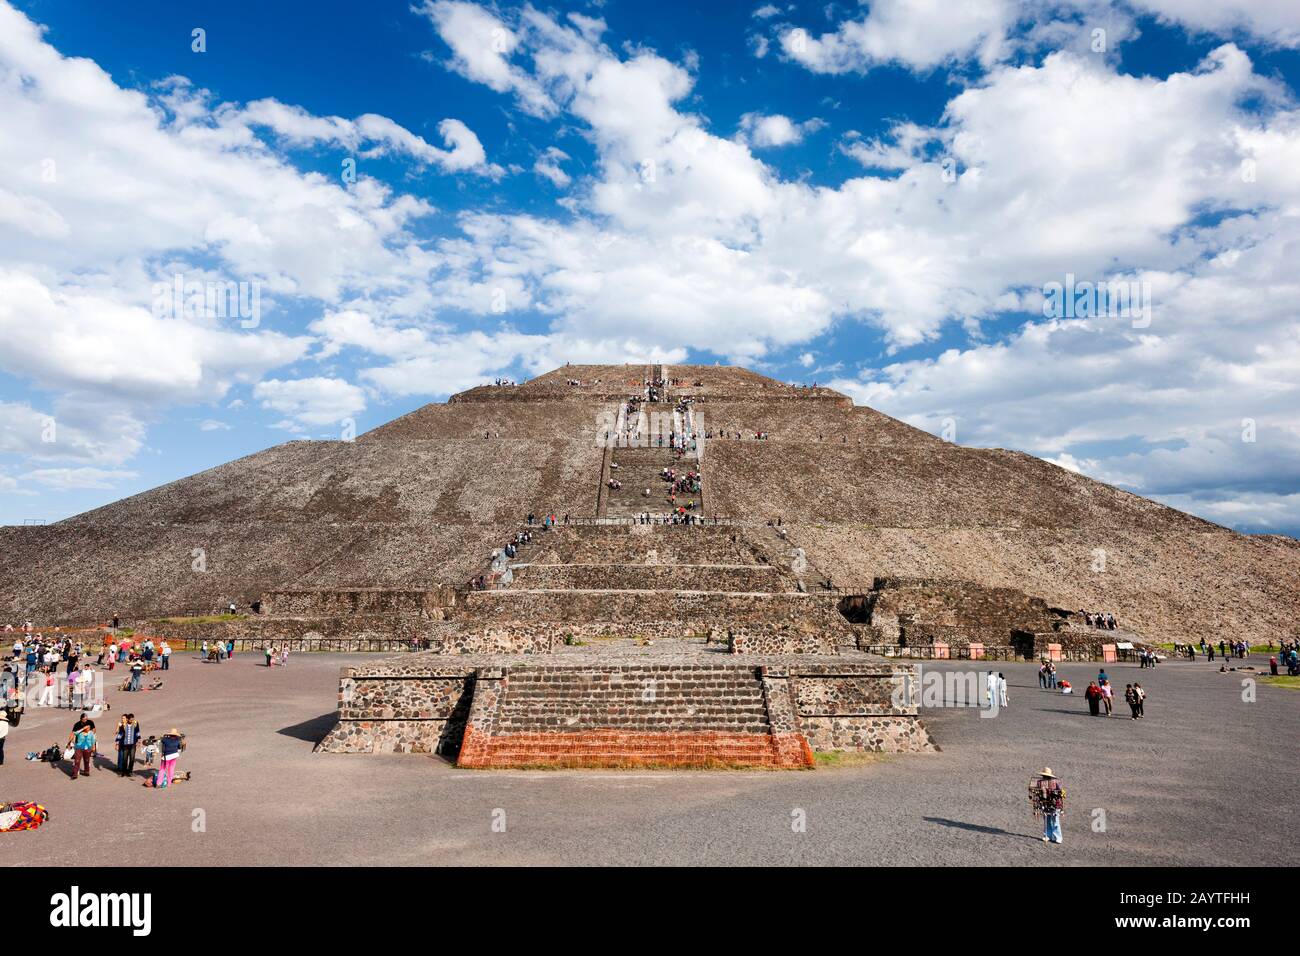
{"points": [[631, 715], [620, 749]]}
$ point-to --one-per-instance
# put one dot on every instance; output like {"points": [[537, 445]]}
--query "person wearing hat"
{"points": [[170, 745], [1047, 799]]}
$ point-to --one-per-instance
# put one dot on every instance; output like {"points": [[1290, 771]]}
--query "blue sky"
{"points": [[874, 196]]}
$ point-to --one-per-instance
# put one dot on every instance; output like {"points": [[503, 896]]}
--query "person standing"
{"points": [[137, 671], [128, 736], [170, 746], [83, 749], [86, 684], [4, 732], [1141, 696], [1047, 800], [1130, 698], [1108, 697], [1002, 690], [284, 656], [1093, 696], [47, 689], [166, 656], [269, 651], [74, 687]]}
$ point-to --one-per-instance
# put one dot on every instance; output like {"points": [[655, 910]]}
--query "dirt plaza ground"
{"points": [[1206, 778]]}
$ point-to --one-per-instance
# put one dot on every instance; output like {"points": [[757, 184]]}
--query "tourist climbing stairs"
{"points": [[641, 469]]}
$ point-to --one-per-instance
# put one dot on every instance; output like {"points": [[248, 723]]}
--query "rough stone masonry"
{"points": [[606, 640]]}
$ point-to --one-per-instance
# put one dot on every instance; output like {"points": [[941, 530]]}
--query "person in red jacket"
{"points": [[1093, 695]]}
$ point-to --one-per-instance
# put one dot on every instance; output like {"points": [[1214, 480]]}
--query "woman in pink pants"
{"points": [[171, 744]]}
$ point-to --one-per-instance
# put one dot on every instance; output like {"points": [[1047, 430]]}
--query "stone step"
{"points": [[562, 726], [648, 721], [638, 748], [723, 708], [702, 693]]}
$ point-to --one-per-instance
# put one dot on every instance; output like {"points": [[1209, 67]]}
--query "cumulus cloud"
{"points": [[312, 401], [924, 34], [676, 236], [775, 130], [920, 34], [369, 134], [548, 167], [1276, 23], [69, 479], [482, 46]]}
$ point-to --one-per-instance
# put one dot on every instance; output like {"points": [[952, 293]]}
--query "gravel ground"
{"points": [[1202, 780]]}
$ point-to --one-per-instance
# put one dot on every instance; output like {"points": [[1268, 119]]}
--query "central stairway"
{"points": [[640, 469], [629, 715]]}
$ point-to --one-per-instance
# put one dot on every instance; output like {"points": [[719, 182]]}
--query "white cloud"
{"points": [[481, 47], [312, 401], [1277, 23], [73, 340], [775, 130], [548, 167], [920, 34], [298, 127], [678, 236], [70, 431], [70, 479], [924, 34]]}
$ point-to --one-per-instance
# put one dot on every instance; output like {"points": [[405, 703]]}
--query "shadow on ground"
{"points": [[313, 731], [976, 828]]}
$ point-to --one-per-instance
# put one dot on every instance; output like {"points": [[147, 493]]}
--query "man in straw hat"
{"points": [[1047, 799]]}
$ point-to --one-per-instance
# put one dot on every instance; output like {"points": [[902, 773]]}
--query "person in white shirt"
{"points": [[87, 681], [47, 690]]}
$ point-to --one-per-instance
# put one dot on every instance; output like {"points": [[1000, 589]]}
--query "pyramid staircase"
{"points": [[630, 715]]}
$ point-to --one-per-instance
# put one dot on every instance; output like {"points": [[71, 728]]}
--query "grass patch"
{"points": [[206, 619], [846, 758], [1281, 680]]}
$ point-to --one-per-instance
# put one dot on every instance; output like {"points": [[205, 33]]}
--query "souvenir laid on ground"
{"points": [[22, 815]]}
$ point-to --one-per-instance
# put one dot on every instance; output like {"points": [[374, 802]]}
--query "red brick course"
{"points": [[618, 748]]}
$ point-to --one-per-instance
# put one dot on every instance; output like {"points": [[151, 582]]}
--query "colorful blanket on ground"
{"points": [[21, 816]]}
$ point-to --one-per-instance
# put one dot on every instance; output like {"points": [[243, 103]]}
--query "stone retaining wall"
{"points": [[433, 704], [704, 608], [645, 577], [352, 601]]}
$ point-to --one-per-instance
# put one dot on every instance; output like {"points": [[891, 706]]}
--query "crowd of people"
{"points": [[1223, 651], [33, 668], [82, 749], [1100, 695], [1103, 620], [482, 582], [36, 661]]}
